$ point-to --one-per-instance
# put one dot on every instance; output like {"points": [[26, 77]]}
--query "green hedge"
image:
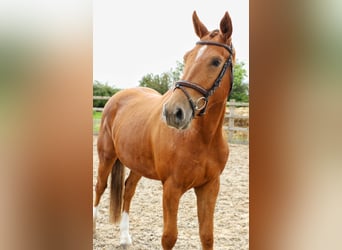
{"points": [[100, 89]]}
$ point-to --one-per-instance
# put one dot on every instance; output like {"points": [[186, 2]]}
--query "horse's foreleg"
{"points": [[130, 186], [206, 200], [171, 197]]}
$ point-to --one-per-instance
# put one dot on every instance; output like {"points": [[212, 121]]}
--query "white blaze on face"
{"points": [[200, 52]]}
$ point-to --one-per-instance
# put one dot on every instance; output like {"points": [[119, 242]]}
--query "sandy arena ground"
{"points": [[231, 215]]}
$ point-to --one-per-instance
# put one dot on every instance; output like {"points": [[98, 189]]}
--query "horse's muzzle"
{"points": [[176, 116]]}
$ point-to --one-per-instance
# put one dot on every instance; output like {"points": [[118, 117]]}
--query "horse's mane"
{"points": [[214, 33]]}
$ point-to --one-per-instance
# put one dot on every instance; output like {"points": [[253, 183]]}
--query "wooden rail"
{"points": [[231, 105]]}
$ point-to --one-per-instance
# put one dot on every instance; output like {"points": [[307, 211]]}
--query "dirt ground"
{"points": [[231, 215]]}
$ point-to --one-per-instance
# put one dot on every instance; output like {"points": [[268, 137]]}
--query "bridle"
{"points": [[182, 84]]}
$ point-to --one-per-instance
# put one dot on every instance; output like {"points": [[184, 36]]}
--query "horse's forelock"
{"points": [[214, 33]]}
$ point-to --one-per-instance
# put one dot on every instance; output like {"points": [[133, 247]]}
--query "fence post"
{"points": [[231, 120]]}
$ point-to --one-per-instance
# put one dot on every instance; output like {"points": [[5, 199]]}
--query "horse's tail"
{"points": [[116, 191]]}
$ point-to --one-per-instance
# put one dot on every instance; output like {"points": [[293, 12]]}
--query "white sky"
{"points": [[134, 38]]}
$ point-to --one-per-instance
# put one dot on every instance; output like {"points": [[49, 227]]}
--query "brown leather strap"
{"points": [[185, 83], [227, 47]]}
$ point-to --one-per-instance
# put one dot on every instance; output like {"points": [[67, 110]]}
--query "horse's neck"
{"points": [[210, 124]]}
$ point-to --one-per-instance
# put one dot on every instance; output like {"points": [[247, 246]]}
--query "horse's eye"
{"points": [[216, 62]]}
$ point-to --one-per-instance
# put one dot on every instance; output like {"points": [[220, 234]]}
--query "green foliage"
{"points": [[160, 83], [164, 81], [97, 115], [240, 91], [100, 89]]}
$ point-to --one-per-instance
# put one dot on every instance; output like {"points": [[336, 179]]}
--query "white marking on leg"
{"points": [[200, 52], [94, 218], [125, 238]]}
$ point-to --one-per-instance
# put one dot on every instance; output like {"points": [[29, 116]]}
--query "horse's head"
{"points": [[207, 66]]}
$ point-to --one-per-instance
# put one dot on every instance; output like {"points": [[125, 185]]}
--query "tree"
{"points": [[100, 89], [164, 81], [240, 89], [160, 83]]}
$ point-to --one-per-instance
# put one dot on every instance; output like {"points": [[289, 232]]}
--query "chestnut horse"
{"points": [[176, 138]]}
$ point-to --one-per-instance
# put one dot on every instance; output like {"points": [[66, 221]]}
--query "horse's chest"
{"points": [[192, 170]]}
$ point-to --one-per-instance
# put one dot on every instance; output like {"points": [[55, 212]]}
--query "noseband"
{"points": [[206, 93]]}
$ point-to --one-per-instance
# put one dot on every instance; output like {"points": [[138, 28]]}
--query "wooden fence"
{"points": [[235, 134]]}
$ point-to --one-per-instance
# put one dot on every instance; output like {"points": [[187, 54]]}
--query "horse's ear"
{"points": [[226, 26], [200, 29]]}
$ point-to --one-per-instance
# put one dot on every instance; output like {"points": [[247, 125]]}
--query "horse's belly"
{"points": [[143, 170], [133, 148]]}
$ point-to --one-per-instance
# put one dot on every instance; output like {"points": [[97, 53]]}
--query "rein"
{"points": [[182, 84]]}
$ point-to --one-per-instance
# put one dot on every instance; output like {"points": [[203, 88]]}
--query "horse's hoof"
{"points": [[124, 246], [125, 241], [94, 229], [94, 219]]}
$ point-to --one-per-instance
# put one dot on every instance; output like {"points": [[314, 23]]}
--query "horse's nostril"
{"points": [[179, 114]]}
